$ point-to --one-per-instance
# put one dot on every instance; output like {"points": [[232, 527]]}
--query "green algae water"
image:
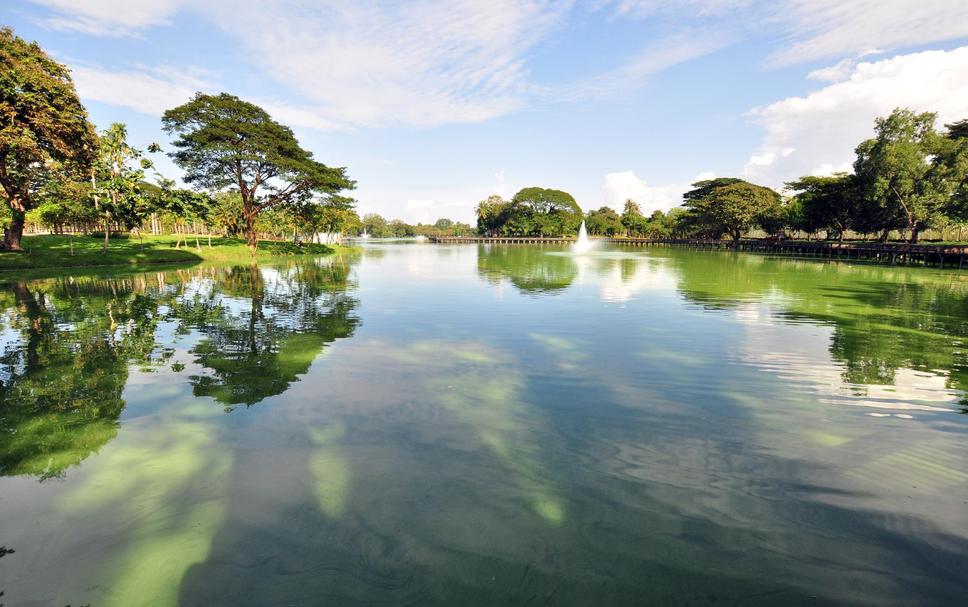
{"points": [[459, 425]]}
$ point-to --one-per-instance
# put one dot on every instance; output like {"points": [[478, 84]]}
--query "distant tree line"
{"points": [[375, 225], [908, 178]]}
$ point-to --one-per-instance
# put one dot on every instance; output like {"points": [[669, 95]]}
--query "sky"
{"points": [[435, 104]]}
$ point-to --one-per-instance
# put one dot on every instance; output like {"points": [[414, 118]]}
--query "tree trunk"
{"points": [[915, 230], [250, 236], [885, 234], [13, 235], [736, 236], [107, 231]]}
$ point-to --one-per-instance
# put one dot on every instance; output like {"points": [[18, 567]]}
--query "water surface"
{"points": [[443, 425]]}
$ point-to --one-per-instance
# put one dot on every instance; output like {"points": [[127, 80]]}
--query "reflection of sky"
{"points": [[799, 352], [610, 435]]}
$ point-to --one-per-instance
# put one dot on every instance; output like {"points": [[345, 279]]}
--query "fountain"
{"points": [[364, 234], [582, 245]]}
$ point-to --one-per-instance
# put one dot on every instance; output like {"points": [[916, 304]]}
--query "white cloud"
{"points": [[149, 90], [817, 134], [108, 17], [414, 63], [153, 89], [702, 7], [831, 28], [621, 186], [654, 58], [818, 29]]}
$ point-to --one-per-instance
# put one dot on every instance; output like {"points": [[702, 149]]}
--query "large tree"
{"points": [[895, 171], [552, 212], [727, 205], [224, 142], [950, 167], [829, 203], [45, 134]]}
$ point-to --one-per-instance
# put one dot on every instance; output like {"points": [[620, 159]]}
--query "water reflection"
{"points": [[69, 344], [531, 270], [263, 328], [886, 322], [619, 430]]}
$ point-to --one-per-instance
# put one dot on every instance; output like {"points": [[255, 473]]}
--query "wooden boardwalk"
{"points": [[950, 256]]}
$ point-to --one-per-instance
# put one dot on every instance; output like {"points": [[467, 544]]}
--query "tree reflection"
{"points": [[261, 335], [68, 346], [532, 270], [883, 319], [65, 368]]}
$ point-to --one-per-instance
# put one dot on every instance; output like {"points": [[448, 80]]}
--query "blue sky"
{"points": [[433, 105]]}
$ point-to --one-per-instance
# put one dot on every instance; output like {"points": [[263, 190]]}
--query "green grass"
{"points": [[43, 252]]}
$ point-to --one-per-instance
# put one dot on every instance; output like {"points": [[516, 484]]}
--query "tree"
{"points": [[727, 205], [63, 204], [185, 207], [774, 219], [632, 218], [491, 215], [45, 134], [827, 203], [400, 229], [950, 168], [552, 212], [331, 215], [604, 221], [115, 183], [226, 142], [226, 214], [894, 170], [375, 225]]}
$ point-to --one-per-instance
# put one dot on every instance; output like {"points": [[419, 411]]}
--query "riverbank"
{"points": [[941, 254], [42, 252]]}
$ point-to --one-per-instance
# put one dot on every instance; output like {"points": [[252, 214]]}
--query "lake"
{"points": [[427, 424]]}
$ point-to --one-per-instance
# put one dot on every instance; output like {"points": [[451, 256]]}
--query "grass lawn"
{"points": [[53, 252]]}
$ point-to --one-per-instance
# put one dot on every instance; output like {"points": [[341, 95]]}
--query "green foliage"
{"points": [[632, 219], [604, 221], [950, 167], [116, 181], [548, 212], [491, 215], [894, 170], [532, 212], [45, 134], [225, 214], [727, 206], [826, 203], [224, 142], [375, 225]]}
